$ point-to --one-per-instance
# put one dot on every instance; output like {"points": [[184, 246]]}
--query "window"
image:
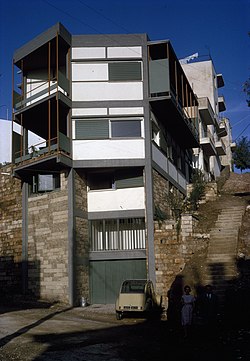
{"points": [[129, 178], [102, 180], [92, 129], [117, 234], [45, 183], [121, 178], [105, 129], [125, 128], [125, 70], [155, 133]]}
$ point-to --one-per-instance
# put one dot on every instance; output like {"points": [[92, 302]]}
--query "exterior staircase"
{"points": [[221, 265]]}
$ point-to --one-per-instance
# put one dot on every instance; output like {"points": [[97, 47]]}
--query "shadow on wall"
{"points": [[14, 281], [233, 294]]}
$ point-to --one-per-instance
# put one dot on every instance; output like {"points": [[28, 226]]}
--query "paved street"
{"points": [[93, 334]]}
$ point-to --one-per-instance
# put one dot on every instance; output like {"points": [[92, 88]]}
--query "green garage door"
{"points": [[107, 276]]}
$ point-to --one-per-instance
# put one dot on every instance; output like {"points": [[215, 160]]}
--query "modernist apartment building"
{"points": [[216, 144], [118, 120]]}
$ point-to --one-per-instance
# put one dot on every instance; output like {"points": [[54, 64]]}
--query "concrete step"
{"points": [[222, 248], [224, 232], [222, 258], [227, 224]]}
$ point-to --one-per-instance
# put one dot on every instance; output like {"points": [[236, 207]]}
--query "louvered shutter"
{"points": [[92, 129], [125, 71]]}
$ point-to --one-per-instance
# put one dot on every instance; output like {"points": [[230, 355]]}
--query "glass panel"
{"points": [[133, 286], [128, 129]]}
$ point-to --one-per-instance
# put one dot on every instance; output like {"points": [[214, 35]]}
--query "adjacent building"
{"points": [[216, 144]]}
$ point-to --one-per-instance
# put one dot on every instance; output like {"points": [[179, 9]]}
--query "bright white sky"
{"points": [[216, 27]]}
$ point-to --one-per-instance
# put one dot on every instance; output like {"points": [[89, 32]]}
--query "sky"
{"points": [[219, 28]]}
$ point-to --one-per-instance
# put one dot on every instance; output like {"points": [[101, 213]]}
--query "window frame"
{"points": [[109, 121], [121, 239], [113, 74], [34, 185]]}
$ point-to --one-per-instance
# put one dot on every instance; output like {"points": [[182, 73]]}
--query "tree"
{"points": [[241, 155], [198, 189]]}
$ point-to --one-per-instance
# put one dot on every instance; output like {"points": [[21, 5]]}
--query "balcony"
{"points": [[233, 145], [220, 81], [207, 143], [206, 111], [220, 147], [42, 103], [39, 90], [222, 129], [170, 95], [221, 103], [53, 154]]}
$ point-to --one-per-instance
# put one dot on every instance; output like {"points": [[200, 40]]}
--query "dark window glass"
{"points": [[100, 181], [126, 128]]}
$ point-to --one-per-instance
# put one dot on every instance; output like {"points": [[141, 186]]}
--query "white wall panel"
{"points": [[108, 149], [182, 180], [88, 53], [172, 171], [89, 111], [89, 72], [124, 52], [89, 91], [161, 160], [132, 110], [116, 200]]}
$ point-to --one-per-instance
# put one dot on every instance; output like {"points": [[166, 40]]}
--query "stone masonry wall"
{"points": [[161, 188], [48, 244], [10, 232], [172, 252], [173, 249], [82, 243]]}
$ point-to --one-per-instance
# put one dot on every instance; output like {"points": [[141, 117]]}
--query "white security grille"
{"points": [[117, 234]]}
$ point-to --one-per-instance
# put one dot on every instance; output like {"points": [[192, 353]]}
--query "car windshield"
{"points": [[133, 286]]}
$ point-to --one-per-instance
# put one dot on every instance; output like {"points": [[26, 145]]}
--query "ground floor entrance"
{"points": [[106, 277]]}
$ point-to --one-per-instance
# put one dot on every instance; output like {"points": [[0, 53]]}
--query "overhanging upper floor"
{"points": [[170, 94]]}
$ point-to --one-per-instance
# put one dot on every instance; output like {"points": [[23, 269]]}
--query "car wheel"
{"points": [[118, 315]]}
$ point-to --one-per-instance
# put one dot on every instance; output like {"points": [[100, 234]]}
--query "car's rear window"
{"points": [[135, 286]]}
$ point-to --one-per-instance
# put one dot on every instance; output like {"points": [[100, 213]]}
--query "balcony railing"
{"points": [[207, 143], [44, 89], [44, 149]]}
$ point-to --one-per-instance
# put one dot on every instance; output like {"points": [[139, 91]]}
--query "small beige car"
{"points": [[137, 295]]}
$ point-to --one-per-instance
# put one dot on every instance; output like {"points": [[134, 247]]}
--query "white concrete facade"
{"points": [[204, 81], [116, 200]]}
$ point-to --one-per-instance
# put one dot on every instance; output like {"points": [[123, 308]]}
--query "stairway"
{"points": [[221, 266]]}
